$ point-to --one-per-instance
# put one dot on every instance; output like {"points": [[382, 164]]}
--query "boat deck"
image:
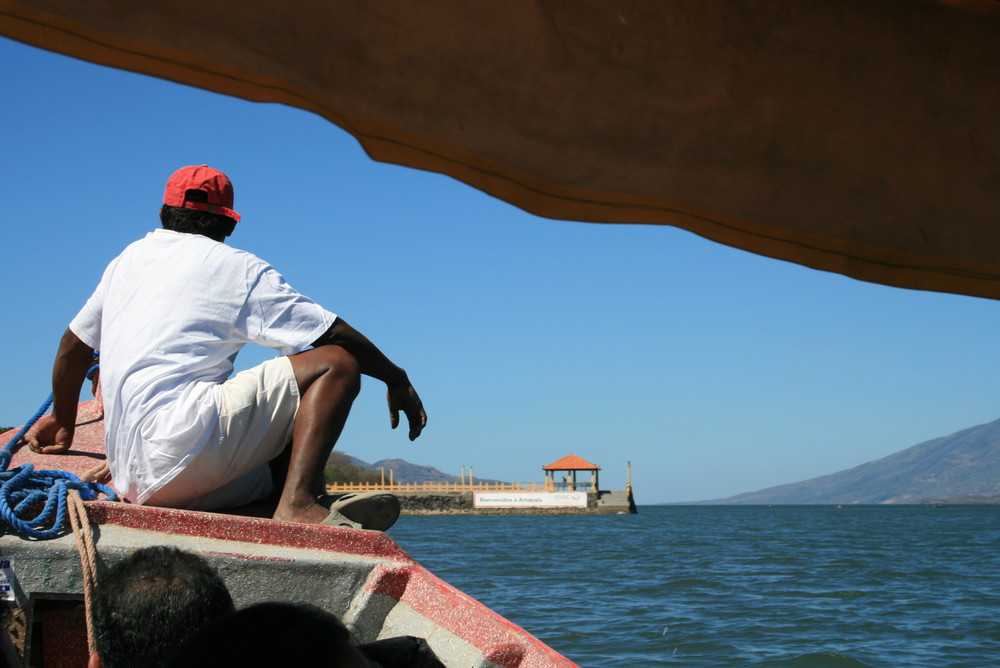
{"points": [[361, 576]]}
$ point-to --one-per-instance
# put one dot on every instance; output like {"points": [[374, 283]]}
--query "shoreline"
{"points": [[604, 502]]}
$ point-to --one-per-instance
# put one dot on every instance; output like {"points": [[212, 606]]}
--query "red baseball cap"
{"points": [[212, 182]]}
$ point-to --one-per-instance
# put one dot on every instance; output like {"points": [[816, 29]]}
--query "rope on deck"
{"points": [[80, 523], [33, 503]]}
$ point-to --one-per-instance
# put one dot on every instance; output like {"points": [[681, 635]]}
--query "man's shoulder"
{"points": [[244, 256], [169, 239]]}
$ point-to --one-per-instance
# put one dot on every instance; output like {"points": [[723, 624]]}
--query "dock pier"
{"points": [[551, 497]]}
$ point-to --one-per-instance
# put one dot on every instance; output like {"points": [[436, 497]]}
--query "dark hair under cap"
{"points": [[192, 221]]}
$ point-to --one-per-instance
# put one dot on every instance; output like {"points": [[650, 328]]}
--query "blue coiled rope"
{"points": [[31, 500]]}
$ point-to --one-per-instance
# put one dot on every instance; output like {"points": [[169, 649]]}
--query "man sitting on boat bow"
{"points": [[169, 316]]}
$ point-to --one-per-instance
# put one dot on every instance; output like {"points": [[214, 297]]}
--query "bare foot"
{"points": [[309, 514]]}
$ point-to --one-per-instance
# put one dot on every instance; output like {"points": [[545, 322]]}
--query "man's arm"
{"points": [[54, 435], [372, 362]]}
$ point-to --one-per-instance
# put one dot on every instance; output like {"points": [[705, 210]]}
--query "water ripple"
{"points": [[735, 586]]}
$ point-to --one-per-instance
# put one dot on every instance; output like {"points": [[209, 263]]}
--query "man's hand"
{"points": [[48, 437], [53, 435], [404, 397], [401, 395]]}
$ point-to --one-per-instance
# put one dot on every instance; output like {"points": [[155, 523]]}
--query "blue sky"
{"points": [[712, 370]]}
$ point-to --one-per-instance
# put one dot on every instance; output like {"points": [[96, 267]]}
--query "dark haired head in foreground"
{"points": [[147, 605], [272, 634]]}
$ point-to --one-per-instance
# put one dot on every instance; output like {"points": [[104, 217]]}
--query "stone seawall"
{"points": [[461, 503]]}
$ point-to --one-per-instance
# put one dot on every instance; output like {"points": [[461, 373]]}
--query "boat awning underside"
{"points": [[857, 137]]}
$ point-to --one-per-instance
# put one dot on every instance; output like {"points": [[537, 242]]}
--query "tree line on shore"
{"points": [[341, 469]]}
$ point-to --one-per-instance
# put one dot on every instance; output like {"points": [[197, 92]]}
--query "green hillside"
{"points": [[353, 469]]}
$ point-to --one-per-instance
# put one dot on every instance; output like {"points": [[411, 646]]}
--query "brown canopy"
{"points": [[852, 136]]}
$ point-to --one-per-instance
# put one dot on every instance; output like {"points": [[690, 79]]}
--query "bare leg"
{"points": [[279, 472], [329, 380]]}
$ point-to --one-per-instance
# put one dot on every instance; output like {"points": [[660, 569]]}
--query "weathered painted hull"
{"points": [[361, 576]]}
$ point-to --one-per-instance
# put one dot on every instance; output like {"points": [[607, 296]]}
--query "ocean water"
{"points": [[735, 585]]}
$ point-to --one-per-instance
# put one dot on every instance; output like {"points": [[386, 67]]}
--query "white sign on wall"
{"points": [[529, 499], [6, 578]]}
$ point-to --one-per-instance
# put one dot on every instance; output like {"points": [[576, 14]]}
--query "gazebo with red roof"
{"points": [[570, 463]]}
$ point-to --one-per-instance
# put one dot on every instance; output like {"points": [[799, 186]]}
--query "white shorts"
{"points": [[256, 418]]}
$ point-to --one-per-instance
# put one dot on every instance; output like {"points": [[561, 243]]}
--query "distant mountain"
{"points": [[405, 472], [360, 463], [962, 466]]}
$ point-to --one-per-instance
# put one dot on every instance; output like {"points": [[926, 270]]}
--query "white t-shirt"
{"points": [[169, 316]]}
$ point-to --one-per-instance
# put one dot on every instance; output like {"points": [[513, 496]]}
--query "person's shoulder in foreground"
{"points": [[295, 634]]}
